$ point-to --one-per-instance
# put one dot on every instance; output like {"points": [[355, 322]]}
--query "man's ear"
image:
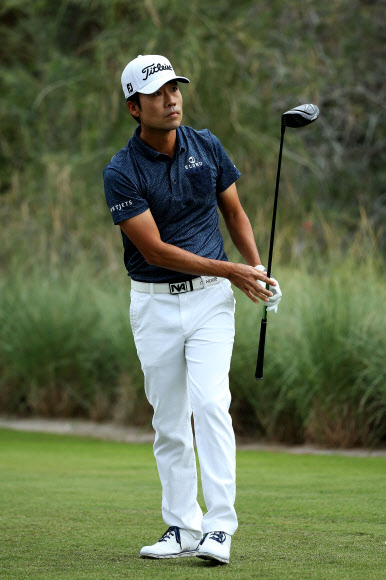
{"points": [[133, 108]]}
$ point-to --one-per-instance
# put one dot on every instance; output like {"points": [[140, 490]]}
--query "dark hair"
{"points": [[135, 99]]}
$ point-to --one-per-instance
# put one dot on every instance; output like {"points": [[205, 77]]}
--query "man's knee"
{"points": [[211, 405]]}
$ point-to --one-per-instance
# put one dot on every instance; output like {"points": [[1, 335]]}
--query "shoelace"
{"points": [[169, 534], [219, 537]]}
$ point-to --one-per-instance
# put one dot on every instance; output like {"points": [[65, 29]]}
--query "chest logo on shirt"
{"points": [[193, 163]]}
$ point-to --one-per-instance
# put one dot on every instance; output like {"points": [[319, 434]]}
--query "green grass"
{"points": [[81, 508]]}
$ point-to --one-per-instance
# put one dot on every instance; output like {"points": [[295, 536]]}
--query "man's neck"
{"points": [[161, 141]]}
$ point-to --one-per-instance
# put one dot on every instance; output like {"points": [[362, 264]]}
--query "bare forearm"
{"points": [[241, 232], [175, 258]]}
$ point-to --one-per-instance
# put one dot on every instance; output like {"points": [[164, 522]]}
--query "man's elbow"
{"points": [[153, 255]]}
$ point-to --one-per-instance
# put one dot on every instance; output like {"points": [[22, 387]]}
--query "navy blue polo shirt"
{"points": [[181, 193]]}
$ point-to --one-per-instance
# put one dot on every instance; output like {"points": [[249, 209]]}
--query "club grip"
{"points": [[260, 353]]}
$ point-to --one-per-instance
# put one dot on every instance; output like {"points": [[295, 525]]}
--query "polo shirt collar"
{"points": [[151, 153]]}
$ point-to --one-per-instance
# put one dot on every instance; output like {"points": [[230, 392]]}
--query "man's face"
{"points": [[161, 110]]}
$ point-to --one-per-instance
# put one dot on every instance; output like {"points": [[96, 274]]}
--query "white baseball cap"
{"points": [[146, 74]]}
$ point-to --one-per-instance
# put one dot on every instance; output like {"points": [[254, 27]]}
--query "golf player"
{"points": [[163, 190]]}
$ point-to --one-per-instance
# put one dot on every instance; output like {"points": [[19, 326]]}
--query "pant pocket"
{"points": [[133, 311], [226, 290]]}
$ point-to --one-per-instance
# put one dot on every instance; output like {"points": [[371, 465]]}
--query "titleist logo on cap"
{"points": [[154, 68], [148, 73]]}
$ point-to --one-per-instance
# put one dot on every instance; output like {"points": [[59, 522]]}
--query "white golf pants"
{"points": [[184, 343]]}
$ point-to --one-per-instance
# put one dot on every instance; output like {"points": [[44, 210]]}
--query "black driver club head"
{"points": [[300, 116]]}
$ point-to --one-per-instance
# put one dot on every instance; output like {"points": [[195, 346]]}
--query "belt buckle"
{"points": [[180, 287]]}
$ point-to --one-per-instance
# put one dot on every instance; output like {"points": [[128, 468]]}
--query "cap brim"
{"points": [[157, 84]]}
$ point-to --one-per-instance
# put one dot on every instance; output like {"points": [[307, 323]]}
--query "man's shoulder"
{"points": [[120, 159], [203, 138], [201, 134], [122, 165]]}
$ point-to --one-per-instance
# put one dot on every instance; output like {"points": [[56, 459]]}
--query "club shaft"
{"points": [[264, 321], [260, 354], [275, 205]]}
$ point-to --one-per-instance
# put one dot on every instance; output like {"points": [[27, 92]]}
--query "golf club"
{"points": [[297, 117]]}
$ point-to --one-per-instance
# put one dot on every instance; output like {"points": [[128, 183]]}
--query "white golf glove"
{"points": [[275, 299]]}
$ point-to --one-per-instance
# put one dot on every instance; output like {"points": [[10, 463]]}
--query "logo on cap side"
{"points": [[154, 68], [129, 88]]}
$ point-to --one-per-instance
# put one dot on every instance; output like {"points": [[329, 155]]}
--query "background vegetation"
{"points": [[66, 346]]}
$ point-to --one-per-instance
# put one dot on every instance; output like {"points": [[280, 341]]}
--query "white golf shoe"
{"points": [[215, 546], [175, 543]]}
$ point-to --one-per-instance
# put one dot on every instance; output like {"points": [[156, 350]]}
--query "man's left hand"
{"points": [[277, 294]]}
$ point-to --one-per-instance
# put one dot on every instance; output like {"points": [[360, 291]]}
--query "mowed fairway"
{"points": [[82, 508]]}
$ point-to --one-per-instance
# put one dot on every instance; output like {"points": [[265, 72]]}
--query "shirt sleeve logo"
{"points": [[119, 206]]}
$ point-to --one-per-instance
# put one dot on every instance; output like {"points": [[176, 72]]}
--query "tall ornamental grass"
{"points": [[325, 377], [66, 349]]}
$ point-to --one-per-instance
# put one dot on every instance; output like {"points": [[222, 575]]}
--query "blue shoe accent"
{"points": [[169, 534], [202, 539], [220, 537]]}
